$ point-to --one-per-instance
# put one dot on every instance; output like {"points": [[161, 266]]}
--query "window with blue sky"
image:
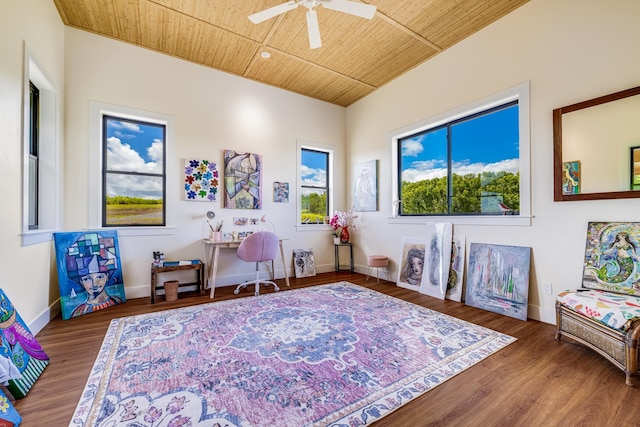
{"points": [[133, 172], [314, 186], [467, 166]]}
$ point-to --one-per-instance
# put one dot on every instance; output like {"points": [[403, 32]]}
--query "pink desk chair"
{"points": [[258, 247]]}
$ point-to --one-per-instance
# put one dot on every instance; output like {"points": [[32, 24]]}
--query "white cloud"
{"points": [[412, 148], [430, 170], [314, 177]]}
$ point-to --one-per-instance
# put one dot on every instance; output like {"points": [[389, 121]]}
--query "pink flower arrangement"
{"points": [[341, 220]]}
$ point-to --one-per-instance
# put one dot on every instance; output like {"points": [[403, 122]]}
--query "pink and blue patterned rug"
{"points": [[329, 355]]}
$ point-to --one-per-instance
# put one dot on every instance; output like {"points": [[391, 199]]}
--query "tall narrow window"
{"points": [[314, 185], [133, 172], [34, 141], [467, 166]]}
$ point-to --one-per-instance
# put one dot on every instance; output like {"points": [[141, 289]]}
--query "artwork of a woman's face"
{"points": [[416, 265], [94, 283]]}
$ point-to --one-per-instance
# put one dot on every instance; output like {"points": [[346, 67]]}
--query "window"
{"points": [[41, 178], [133, 181], [472, 162], [314, 172], [130, 152], [34, 128]]}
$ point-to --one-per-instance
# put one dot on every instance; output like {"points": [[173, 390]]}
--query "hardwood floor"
{"points": [[535, 381]]}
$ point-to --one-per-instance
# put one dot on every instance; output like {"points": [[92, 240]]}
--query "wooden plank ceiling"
{"points": [[357, 55]]}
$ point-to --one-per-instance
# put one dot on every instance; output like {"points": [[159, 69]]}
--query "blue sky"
{"points": [[313, 168], [134, 147], [487, 143]]}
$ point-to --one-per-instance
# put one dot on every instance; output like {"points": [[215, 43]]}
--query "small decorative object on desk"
{"points": [[158, 259], [342, 220]]}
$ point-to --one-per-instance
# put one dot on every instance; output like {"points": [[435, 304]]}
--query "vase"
{"points": [[336, 240], [344, 235]]}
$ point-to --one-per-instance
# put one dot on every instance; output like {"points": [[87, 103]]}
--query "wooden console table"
{"points": [[168, 266]]}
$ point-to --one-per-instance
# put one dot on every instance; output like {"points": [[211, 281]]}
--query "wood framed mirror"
{"points": [[592, 143]]}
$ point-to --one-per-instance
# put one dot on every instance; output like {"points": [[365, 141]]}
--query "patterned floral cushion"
{"points": [[613, 310]]}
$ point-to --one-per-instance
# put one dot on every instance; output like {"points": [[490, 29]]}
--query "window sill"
{"points": [[502, 220], [313, 227], [34, 237], [141, 231]]}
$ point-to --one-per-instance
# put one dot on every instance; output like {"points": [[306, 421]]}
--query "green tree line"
{"points": [[429, 196], [314, 207], [123, 200]]}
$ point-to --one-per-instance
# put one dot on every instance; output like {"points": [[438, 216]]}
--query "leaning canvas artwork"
{"points": [[611, 259], [456, 269], [303, 263], [498, 279], [89, 271], [412, 263], [22, 359], [437, 259], [242, 180]]}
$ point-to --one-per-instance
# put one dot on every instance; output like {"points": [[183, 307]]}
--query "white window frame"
{"points": [[97, 110], [519, 93], [50, 194], [330, 150]]}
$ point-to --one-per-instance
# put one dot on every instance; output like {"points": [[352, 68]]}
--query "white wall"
{"points": [[26, 272], [570, 51], [213, 111]]}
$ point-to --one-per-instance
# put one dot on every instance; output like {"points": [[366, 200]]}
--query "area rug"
{"points": [[329, 355]]}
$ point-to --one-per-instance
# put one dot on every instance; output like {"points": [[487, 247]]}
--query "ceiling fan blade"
{"points": [[263, 15], [351, 7], [314, 29]]}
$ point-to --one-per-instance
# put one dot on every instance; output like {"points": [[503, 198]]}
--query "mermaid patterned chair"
{"points": [[604, 314]]}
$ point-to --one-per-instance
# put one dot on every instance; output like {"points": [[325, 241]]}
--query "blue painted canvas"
{"points": [[498, 279], [9, 417], [22, 359], [89, 271]]}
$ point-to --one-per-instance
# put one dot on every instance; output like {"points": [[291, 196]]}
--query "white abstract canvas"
{"points": [[437, 259]]}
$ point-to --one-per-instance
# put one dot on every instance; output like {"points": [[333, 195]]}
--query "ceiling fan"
{"points": [[361, 10]]}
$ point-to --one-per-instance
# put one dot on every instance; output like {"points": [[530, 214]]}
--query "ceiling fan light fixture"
{"points": [[350, 7]]}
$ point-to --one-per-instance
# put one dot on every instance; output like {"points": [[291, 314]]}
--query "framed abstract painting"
{"points": [[89, 271], [498, 279]]}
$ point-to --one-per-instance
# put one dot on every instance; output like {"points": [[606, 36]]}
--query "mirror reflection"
{"points": [[596, 148]]}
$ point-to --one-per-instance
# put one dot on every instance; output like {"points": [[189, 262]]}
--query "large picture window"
{"points": [[134, 180], [466, 166], [467, 163]]}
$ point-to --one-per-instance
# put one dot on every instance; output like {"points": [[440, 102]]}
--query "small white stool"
{"points": [[378, 262]]}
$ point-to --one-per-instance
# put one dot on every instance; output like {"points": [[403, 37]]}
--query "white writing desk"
{"points": [[212, 249]]}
